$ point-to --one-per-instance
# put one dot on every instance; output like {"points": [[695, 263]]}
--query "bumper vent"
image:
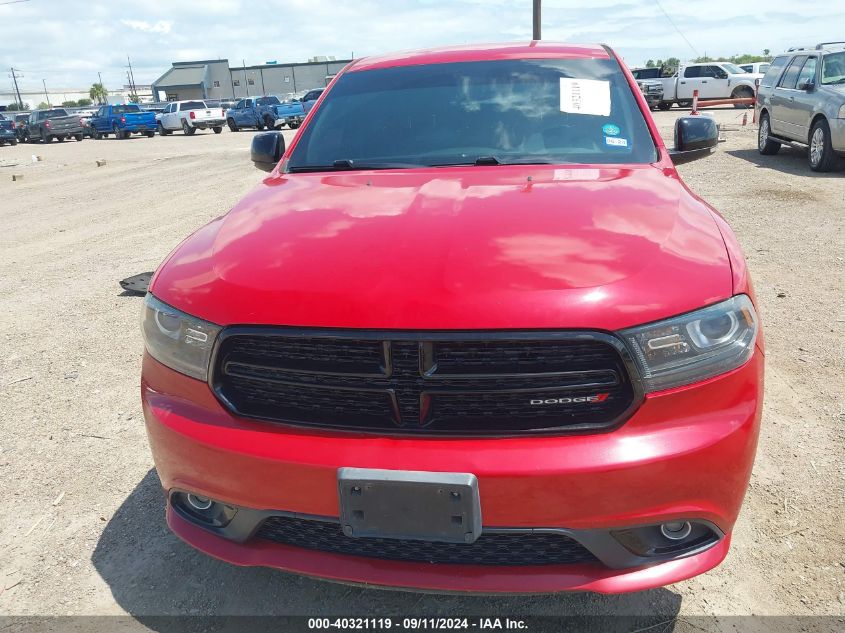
{"points": [[491, 548], [437, 384]]}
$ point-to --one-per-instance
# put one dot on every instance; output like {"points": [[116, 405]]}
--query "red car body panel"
{"points": [[597, 247]]}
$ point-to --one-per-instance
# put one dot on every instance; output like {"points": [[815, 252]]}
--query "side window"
{"points": [[774, 71], [717, 72], [808, 73], [691, 72], [747, 67], [790, 77], [239, 105], [248, 103]]}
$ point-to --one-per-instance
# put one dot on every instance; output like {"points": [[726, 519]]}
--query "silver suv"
{"points": [[801, 100]]}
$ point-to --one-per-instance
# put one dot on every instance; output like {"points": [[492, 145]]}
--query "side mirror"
{"points": [[806, 86], [695, 137], [267, 150]]}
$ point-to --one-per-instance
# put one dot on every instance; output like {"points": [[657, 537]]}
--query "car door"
{"points": [[172, 117], [714, 83], [783, 100], [803, 100], [236, 112], [250, 116], [688, 81]]}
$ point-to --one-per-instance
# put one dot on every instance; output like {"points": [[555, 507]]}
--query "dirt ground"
{"points": [[83, 530]]}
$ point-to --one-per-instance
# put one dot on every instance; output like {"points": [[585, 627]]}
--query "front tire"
{"points": [[78, 137], [765, 144], [663, 106], [217, 129], [294, 124], [743, 92], [150, 134], [269, 123], [259, 126], [232, 125], [821, 154]]}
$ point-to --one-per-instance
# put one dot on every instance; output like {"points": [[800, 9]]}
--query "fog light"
{"points": [[202, 510], [199, 503], [676, 530]]}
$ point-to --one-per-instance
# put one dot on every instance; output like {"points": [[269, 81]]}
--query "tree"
{"points": [[98, 92], [43, 106], [82, 103], [69, 104], [17, 107], [672, 62], [650, 64], [133, 98]]}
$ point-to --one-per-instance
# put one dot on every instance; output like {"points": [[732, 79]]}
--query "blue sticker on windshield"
{"points": [[612, 141], [610, 129]]}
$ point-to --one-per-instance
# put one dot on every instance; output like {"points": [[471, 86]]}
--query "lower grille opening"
{"points": [[513, 548]]}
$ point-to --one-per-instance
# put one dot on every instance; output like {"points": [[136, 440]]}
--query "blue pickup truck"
{"points": [[261, 112], [122, 121]]}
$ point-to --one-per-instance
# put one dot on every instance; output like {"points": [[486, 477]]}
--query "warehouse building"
{"points": [[215, 79]]}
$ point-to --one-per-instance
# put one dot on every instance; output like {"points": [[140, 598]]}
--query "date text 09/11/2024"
{"points": [[422, 624]]}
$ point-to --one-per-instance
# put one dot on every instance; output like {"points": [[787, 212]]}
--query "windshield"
{"points": [[833, 68], [733, 69], [267, 101], [49, 114], [123, 109], [509, 111]]}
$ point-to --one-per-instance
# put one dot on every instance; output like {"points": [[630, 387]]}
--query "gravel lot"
{"points": [[83, 529]]}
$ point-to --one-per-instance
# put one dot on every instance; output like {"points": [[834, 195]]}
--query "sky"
{"points": [[66, 44]]}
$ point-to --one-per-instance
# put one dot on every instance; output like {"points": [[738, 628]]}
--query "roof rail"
{"points": [[821, 45]]}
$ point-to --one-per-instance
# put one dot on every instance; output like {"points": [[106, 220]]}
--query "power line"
{"points": [[675, 26], [13, 2]]}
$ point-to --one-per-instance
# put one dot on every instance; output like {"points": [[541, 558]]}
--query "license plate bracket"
{"points": [[405, 504]]}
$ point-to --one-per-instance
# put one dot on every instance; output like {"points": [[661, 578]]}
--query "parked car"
{"points": [[472, 332], [653, 92], [190, 116], [801, 101], [713, 80], [85, 121], [261, 112], [7, 132], [56, 123], [757, 68], [310, 98], [122, 121]]}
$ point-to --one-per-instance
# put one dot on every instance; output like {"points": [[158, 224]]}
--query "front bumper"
{"points": [[685, 454]]}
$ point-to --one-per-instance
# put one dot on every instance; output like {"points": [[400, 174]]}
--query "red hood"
{"points": [[455, 248]]}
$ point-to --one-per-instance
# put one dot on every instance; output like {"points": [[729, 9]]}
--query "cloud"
{"points": [[162, 26]]}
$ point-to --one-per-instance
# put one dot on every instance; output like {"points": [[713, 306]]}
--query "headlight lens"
{"points": [[695, 346], [841, 114], [176, 339]]}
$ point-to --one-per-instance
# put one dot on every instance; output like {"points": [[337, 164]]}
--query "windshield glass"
{"points": [[833, 68], [522, 110], [267, 101], [56, 112], [123, 109]]}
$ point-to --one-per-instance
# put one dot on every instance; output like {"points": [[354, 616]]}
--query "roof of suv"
{"points": [[482, 52]]}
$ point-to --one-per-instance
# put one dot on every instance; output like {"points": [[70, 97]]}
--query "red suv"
{"points": [[471, 333]]}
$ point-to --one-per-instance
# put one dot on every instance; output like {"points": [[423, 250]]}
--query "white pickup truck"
{"points": [[190, 116], [713, 80]]}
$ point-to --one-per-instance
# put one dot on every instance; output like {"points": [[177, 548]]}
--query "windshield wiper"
{"points": [[347, 164], [483, 161]]}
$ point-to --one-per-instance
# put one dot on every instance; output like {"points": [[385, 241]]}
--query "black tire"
{"points": [[685, 104], [162, 131], [150, 134], [217, 129], [232, 125], [117, 133], [13, 142], [294, 124], [98, 136], [269, 123], [765, 144], [78, 137], [187, 130], [259, 126], [664, 105], [743, 92], [821, 154], [47, 138], [61, 139]]}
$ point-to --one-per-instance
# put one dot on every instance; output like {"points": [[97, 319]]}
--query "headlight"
{"points": [[176, 339], [695, 346], [841, 114]]}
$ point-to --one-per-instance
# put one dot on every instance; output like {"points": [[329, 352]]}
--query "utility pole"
{"points": [[14, 75], [246, 83], [537, 20], [131, 77], [46, 96]]}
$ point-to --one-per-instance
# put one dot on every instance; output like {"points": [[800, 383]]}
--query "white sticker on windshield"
{"points": [[585, 96]]}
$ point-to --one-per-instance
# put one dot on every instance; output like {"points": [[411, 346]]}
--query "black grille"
{"points": [[491, 548], [425, 383]]}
